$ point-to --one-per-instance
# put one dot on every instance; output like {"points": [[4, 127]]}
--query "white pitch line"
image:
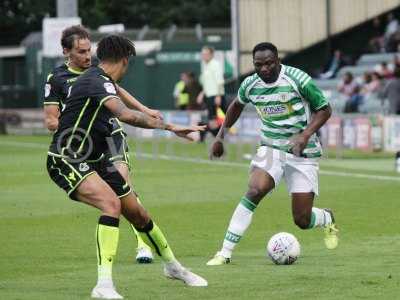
{"points": [[213, 162]]}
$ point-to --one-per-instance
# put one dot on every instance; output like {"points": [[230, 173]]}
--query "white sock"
{"points": [[104, 276], [240, 221], [320, 218]]}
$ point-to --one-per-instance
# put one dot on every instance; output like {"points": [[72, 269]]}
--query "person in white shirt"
{"points": [[212, 81]]}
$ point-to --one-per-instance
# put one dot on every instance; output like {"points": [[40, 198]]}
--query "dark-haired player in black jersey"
{"points": [[75, 41], [77, 164]]}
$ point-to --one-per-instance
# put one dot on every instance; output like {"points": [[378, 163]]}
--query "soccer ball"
{"points": [[283, 248]]}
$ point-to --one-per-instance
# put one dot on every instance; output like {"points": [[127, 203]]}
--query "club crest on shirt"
{"points": [[110, 88], [83, 167]]}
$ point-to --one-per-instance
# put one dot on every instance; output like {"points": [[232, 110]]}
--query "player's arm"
{"points": [[321, 113], [142, 120], [133, 103], [233, 113], [51, 115], [51, 103]]}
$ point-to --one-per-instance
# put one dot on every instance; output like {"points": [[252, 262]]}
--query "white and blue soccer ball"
{"points": [[283, 248]]}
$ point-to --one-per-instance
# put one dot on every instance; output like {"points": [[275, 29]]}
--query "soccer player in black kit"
{"points": [[76, 45], [78, 164]]}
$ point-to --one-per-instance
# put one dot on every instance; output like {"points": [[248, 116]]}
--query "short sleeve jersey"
{"points": [[84, 124], [57, 84], [284, 107]]}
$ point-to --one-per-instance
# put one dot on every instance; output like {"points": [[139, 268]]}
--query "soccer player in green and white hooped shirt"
{"points": [[291, 109]]}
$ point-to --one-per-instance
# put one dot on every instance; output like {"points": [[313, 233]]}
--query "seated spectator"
{"points": [[391, 93], [337, 61], [372, 83], [384, 70], [354, 101], [347, 85], [333, 66]]}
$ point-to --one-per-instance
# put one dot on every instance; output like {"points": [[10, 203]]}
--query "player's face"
{"points": [[80, 56], [267, 65]]}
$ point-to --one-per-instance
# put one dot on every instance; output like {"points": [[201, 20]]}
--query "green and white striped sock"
{"points": [[240, 221]]}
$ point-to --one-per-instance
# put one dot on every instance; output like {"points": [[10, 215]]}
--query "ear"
{"points": [[125, 61], [65, 52]]}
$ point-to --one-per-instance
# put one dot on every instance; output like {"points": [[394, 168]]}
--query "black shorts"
{"points": [[69, 174], [119, 150]]}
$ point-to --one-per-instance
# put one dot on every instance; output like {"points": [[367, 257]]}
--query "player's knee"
{"points": [[112, 207], [255, 194], [302, 220]]}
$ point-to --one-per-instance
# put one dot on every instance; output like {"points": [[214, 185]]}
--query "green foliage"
{"points": [[156, 13], [23, 16]]}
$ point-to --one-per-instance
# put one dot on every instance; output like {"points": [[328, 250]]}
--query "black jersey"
{"points": [[57, 85], [84, 123]]}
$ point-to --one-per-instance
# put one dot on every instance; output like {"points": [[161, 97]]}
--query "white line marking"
{"points": [[215, 162]]}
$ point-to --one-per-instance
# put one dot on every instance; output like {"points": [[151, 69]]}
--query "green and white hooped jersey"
{"points": [[284, 107]]}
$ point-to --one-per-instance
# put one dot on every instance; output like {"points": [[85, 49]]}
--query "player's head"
{"points": [[115, 51], [266, 61], [207, 53], [75, 41]]}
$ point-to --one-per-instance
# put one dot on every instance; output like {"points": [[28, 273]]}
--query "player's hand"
{"points": [[185, 131], [217, 149], [298, 144], [156, 114], [199, 99]]}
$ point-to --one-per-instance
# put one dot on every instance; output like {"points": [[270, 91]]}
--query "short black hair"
{"points": [[265, 46], [113, 48], [72, 33]]}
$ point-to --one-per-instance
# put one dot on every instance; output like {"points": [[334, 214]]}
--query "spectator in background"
{"points": [[384, 70], [376, 42], [354, 101], [391, 28], [391, 93], [372, 83], [193, 88], [335, 63], [347, 85], [212, 80], [180, 95]]}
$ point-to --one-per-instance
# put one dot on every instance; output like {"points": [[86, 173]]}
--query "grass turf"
{"points": [[47, 246]]}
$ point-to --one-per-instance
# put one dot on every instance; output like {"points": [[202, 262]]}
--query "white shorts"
{"points": [[301, 174]]}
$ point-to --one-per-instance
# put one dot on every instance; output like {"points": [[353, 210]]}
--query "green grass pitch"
{"points": [[47, 248]]}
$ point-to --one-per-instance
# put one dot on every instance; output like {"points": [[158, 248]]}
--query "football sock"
{"points": [[139, 239], [240, 221], [152, 235], [319, 218], [107, 234]]}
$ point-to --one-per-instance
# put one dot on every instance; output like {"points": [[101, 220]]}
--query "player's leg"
{"points": [[82, 183], [119, 156], [148, 230], [95, 192], [302, 181], [144, 254], [135, 213], [265, 173], [260, 184]]}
